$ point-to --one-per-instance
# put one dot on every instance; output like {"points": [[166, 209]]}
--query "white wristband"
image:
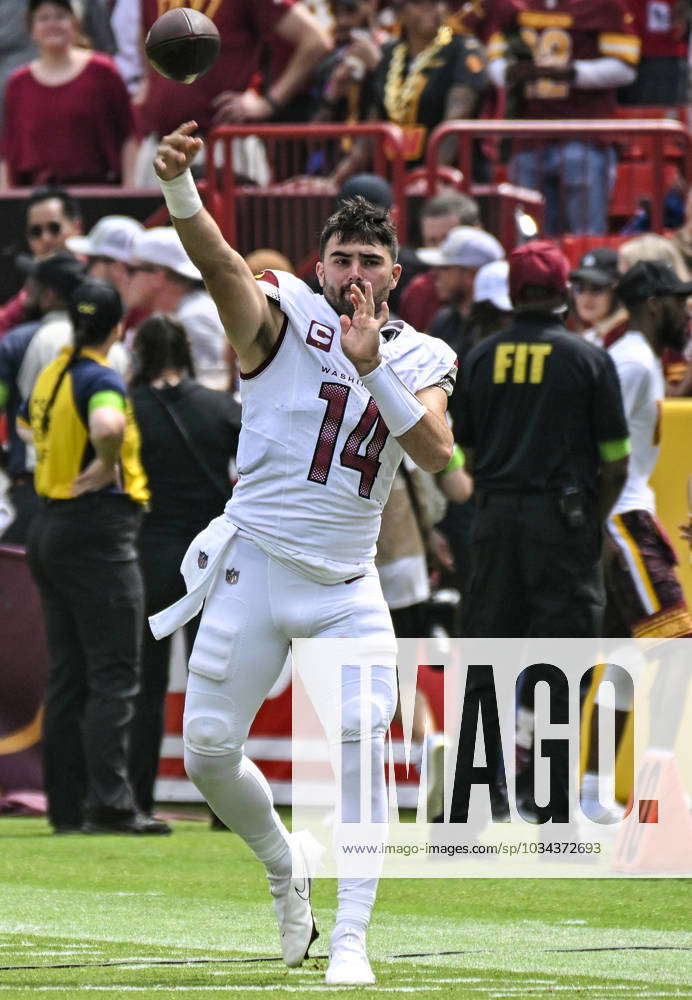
{"points": [[399, 407], [181, 194]]}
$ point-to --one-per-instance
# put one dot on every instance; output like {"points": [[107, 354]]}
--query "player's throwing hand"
{"points": [[360, 334], [177, 151]]}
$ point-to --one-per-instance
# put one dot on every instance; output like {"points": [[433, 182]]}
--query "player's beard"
{"points": [[340, 300]]}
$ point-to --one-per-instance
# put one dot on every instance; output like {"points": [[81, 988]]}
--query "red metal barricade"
{"points": [[666, 156], [288, 211]]}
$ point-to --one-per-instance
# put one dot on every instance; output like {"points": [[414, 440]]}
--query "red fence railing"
{"points": [[652, 154], [299, 159]]}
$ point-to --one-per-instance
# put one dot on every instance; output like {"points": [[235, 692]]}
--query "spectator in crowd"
{"points": [[651, 246], [266, 259], [340, 78], [439, 214], [644, 594], [17, 464], [17, 45], [189, 436], [456, 261], [227, 93], [164, 279], [126, 25], [426, 76], [682, 239], [663, 27], [49, 288], [57, 273], [566, 71], [72, 95], [597, 312], [542, 424], [407, 537], [677, 366], [108, 248], [490, 312], [82, 555], [52, 216]]}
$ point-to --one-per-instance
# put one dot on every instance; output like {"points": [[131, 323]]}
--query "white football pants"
{"points": [[252, 611]]}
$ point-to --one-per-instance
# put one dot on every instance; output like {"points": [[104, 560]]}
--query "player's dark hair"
{"points": [[91, 327], [359, 221], [70, 205], [160, 343]]}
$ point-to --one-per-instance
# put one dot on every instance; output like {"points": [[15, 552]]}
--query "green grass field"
{"points": [[190, 916]]}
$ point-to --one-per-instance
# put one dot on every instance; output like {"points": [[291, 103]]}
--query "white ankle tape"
{"points": [[399, 407], [181, 194]]}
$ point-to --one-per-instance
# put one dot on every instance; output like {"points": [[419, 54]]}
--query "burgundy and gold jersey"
{"points": [[243, 26], [561, 32]]}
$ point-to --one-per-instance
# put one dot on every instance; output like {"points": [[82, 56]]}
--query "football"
{"points": [[182, 44]]}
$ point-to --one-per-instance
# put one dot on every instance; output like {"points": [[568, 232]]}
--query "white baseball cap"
{"points": [[491, 284], [112, 236], [463, 246], [162, 246]]}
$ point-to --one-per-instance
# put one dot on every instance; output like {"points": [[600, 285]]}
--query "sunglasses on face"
{"points": [[37, 230]]}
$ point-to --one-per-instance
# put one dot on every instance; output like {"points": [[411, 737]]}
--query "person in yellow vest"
{"points": [[81, 551]]}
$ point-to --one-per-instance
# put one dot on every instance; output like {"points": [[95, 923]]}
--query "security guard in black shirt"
{"points": [[541, 421]]}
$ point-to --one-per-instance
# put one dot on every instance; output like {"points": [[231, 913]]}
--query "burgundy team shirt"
{"points": [[559, 32], [243, 26], [70, 134]]}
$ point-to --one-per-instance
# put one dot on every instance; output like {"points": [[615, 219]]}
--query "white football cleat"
{"points": [[292, 902], [348, 962]]}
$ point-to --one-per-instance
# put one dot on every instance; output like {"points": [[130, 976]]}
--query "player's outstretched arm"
{"points": [[417, 421], [251, 324]]}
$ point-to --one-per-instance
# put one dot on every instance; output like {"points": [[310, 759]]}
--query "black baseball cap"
{"points": [[96, 304], [599, 267], [647, 278], [373, 188], [61, 271]]}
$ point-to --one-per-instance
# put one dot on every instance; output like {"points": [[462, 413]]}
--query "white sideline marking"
{"points": [[273, 987]]}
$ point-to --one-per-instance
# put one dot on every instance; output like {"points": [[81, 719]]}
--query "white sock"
{"points": [[356, 898]]}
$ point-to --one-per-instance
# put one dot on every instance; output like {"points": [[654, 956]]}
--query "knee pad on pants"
{"points": [[369, 718], [208, 733]]}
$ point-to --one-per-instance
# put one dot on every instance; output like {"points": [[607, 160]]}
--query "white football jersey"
{"points": [[315, 459], [643, 389]]}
